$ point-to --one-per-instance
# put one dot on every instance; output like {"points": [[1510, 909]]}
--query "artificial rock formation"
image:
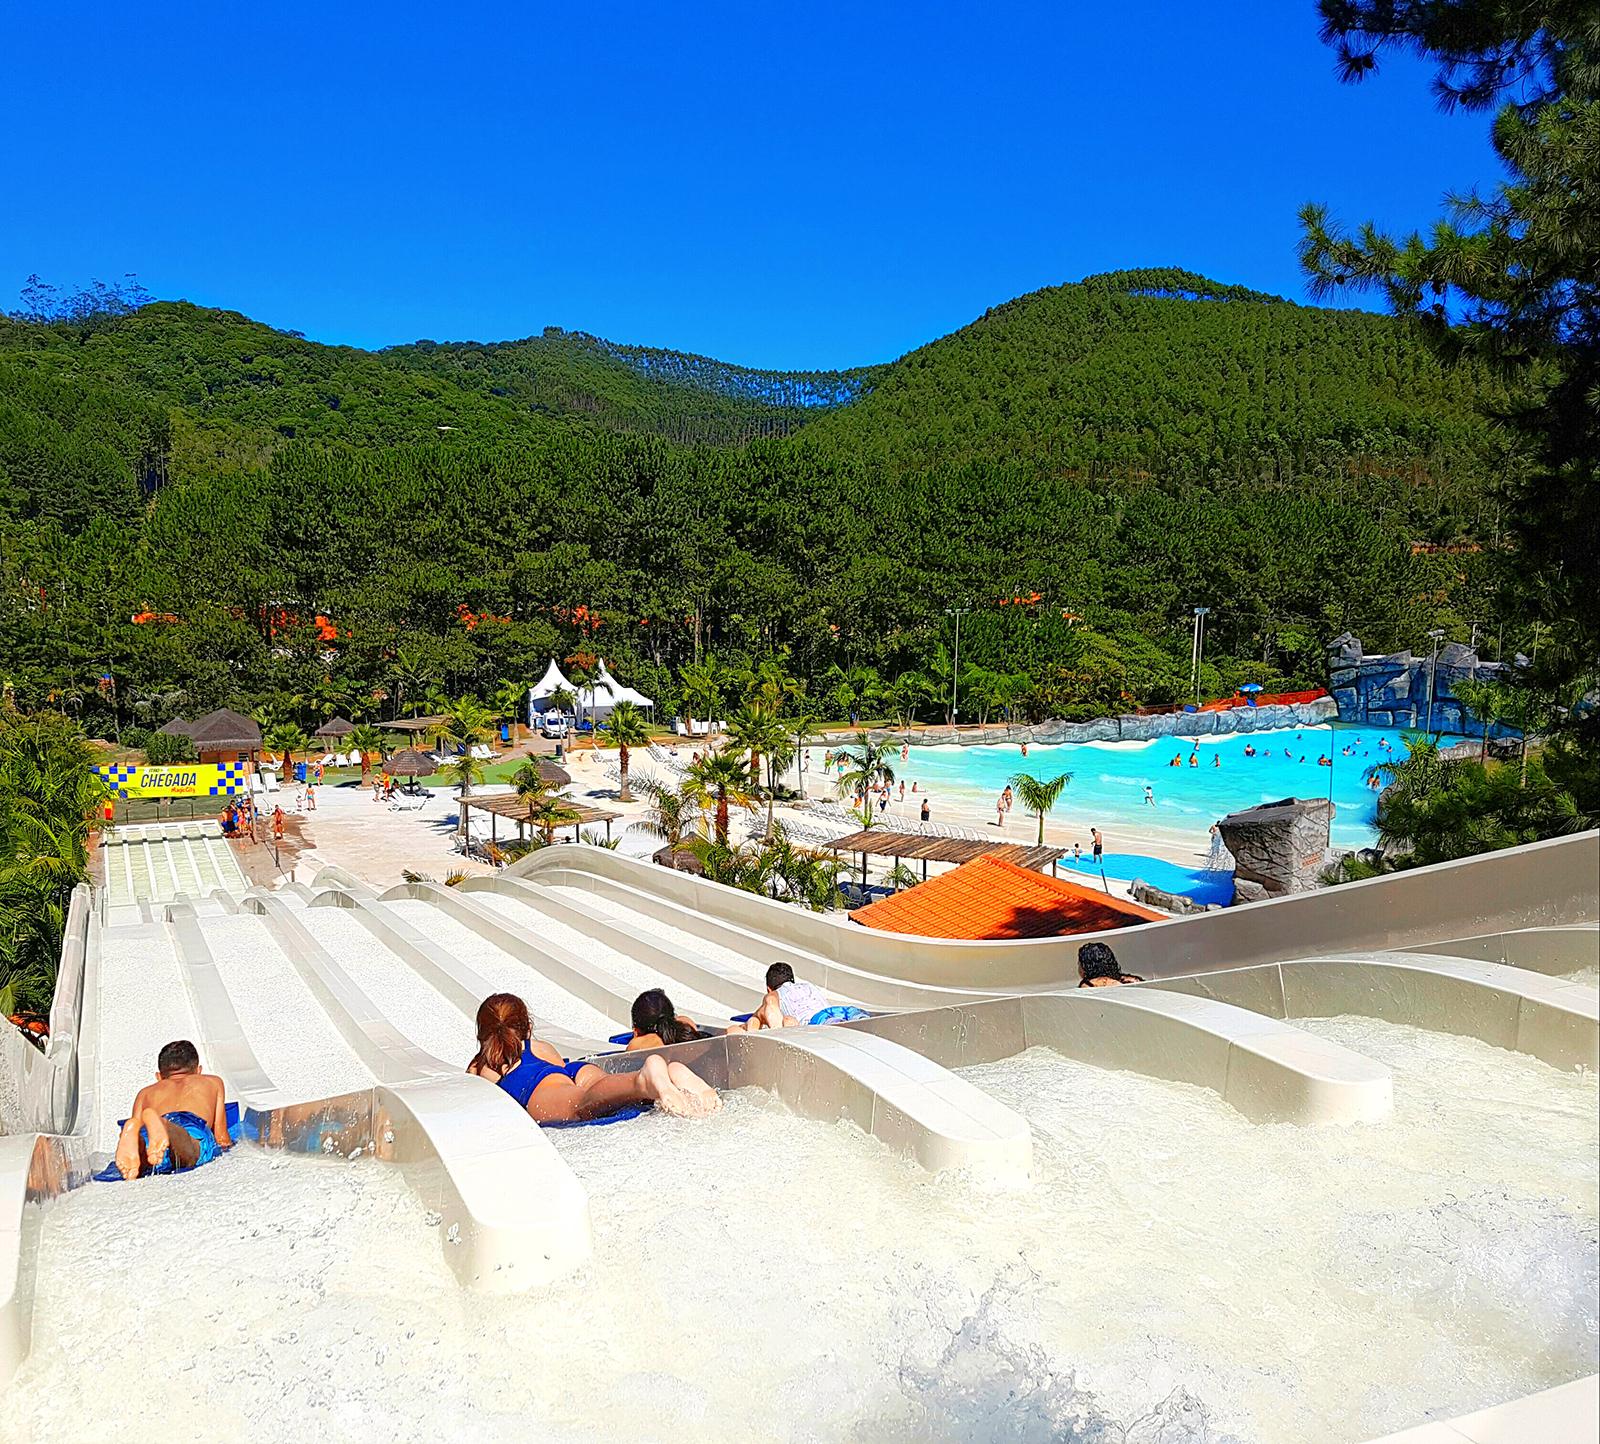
{"points": [[1278, 848]]}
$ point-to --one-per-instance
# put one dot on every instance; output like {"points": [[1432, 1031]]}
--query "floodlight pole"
{"points": [[1198, 650], [955, 667], [1433, 665]]}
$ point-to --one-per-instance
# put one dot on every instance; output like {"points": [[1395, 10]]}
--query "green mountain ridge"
{"points": [[1112, 452]]}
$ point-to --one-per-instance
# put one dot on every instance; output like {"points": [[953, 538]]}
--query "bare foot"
{"points": [[155, 1127], [128, 1153], [659, 1085], [702, 1097]]}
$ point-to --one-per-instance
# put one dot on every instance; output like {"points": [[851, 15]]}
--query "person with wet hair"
{"points": [[1098, 968], [556, 1091], [657, 1024]]}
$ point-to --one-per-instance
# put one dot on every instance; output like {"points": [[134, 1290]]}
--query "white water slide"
{"points": [[341, 1020]]}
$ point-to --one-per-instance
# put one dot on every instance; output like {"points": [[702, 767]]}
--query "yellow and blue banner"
{"points": [[185, 779]]}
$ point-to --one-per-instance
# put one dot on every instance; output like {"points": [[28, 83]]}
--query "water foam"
{"points": [[1174, 1275]]}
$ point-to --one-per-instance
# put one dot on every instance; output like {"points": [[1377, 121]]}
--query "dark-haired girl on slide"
{"points": [[556, 1091]]}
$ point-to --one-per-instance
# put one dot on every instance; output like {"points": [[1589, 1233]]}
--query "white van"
{"points": [[553, 724]]}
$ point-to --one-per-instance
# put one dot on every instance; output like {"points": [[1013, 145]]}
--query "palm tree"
{"points": [[757, 732], [701, 692], [861, 771], [719, 780], [802, 730], [286, 739], [901, 876], [673, 815], [771, 684], [626, 728], [468, 723], [1487, 701], [463, 771], [1039, 796], [547, 812], [510, 701], [544, 807], [566, 700], [366, 740]]}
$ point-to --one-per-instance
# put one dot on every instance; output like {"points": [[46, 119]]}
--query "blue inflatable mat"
{"points": [[112, 1174], [620, 1116]]}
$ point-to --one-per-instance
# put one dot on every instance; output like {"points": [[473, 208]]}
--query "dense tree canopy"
{"points": [[197, 509]]}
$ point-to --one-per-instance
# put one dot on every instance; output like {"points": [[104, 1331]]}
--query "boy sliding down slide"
{"points": [[182, 1117], [788, 1004]]}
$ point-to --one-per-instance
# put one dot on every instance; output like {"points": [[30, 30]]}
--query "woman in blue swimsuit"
{"points": [[556, 1091]]}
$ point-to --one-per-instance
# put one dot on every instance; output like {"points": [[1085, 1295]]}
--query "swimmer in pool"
{"points": [[556, 1091], [183, 1116], [1149, 795], [1216, 759]]}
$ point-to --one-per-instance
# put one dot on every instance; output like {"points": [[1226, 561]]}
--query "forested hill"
{"points": [[1172, 375], [182, 491]]}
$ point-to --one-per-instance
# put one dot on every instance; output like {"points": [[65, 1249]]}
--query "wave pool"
{"points": [[1109, 779]]}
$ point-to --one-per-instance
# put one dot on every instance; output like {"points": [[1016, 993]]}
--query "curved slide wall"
{"points": [[1544, 885]]}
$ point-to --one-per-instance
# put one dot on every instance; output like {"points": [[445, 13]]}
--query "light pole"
{"points": [[1198, 649], [955, 667], [1433, 663]]}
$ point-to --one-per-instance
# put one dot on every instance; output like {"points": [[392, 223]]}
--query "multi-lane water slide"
{"points": [[341, 1019]]}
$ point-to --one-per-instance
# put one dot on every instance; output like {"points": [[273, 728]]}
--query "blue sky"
{"points": [[784, 185]]}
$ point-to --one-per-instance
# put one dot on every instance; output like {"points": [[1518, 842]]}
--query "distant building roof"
{"points": [[991, 898], [225, 731]]}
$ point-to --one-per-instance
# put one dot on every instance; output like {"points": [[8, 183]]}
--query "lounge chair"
{"points": [[256, 784]]}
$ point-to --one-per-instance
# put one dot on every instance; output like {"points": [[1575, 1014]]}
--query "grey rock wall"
{"points": [[1278, 848], [1391, 689]]}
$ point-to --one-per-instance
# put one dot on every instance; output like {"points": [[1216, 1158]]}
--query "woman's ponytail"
{"points": [[503, 1028]]}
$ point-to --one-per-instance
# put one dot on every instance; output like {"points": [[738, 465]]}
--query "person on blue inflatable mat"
{"points": [[178, 1122], [788, 1004]]}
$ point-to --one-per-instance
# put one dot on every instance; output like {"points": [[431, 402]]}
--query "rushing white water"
{"points": [[1174, 1275]]}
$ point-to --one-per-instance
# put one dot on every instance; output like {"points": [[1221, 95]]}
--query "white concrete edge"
{"points": [[1555, 1021], [513, 1215], [584, 980], [917, 1108], [839, 980], [1539, 884], [459, 985], [1268, 1070], [1566, 1414], [735, 991]]}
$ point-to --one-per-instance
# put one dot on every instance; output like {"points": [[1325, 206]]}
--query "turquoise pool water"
{"points": [[1109, 779], [1192, 882]]}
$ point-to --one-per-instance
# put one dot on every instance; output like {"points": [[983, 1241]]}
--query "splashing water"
{"points": [[1174, 1275]]}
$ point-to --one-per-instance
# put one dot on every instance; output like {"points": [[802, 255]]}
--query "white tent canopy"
{"points": [[619, 692], [595, 700], [552, 682]]}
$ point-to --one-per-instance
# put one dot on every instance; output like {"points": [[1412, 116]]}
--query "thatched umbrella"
{"points": [[408, 762], [555, 775], [338, 727]]}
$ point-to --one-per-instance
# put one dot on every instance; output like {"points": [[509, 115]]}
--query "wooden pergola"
{"points": [[520, 811], [409, 724], [918, 847]]}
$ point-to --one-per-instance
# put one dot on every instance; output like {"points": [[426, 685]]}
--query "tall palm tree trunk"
{"points": [[623, 795]]}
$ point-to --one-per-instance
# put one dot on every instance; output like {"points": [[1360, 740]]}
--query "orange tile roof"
{"points": [[989, 898]]}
